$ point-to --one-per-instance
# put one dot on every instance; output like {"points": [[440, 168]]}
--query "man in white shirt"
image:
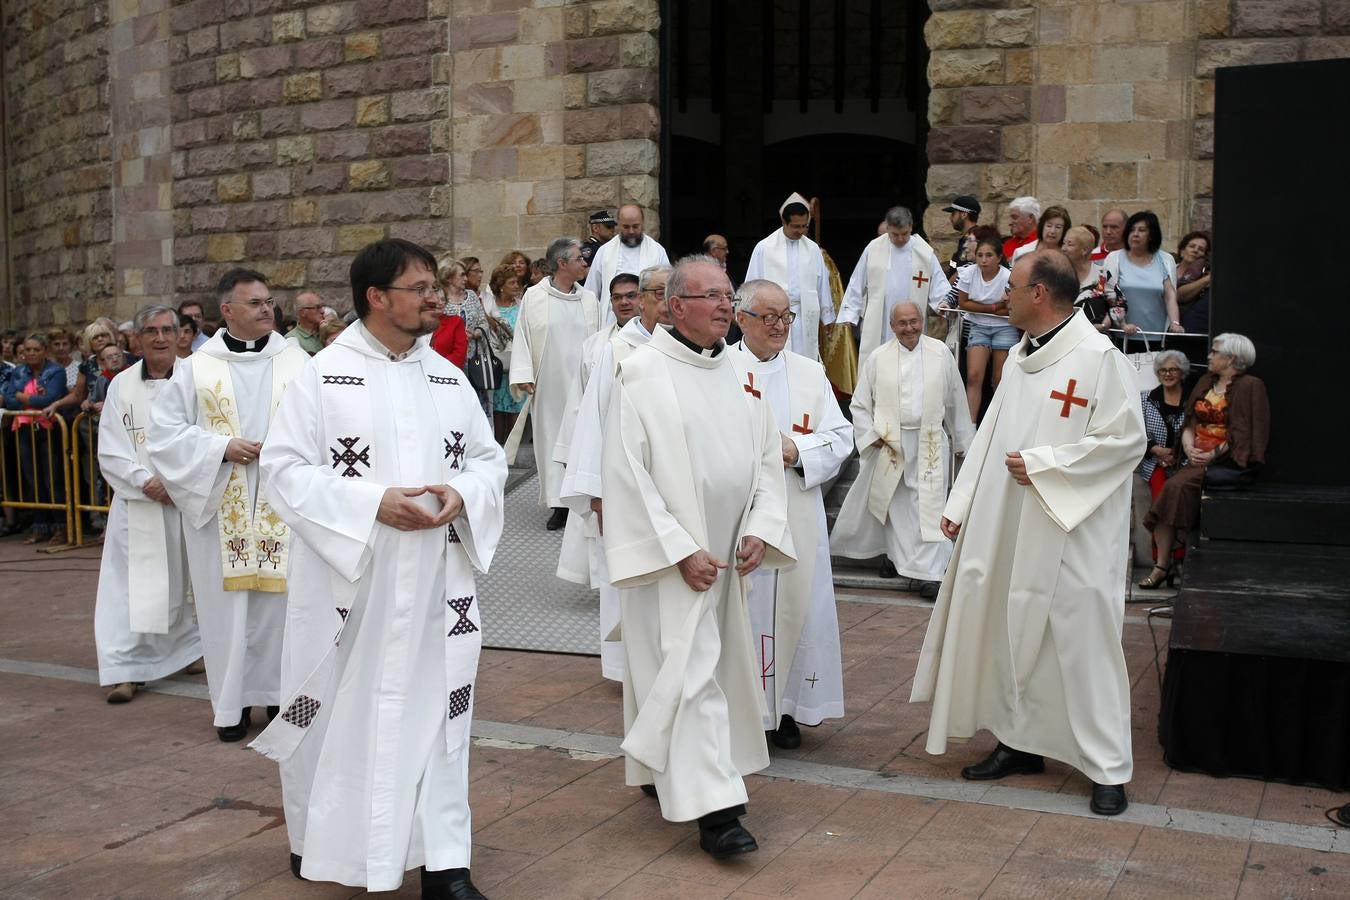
{"points": [[630, 251]]}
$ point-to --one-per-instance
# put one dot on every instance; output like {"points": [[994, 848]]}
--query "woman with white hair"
{"points": [[1164, 410], [1226, 427]]}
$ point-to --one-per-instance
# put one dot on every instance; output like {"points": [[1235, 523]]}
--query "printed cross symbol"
{"points": [[750, 385], [457, 449], [813, 679], [805, 427], [349, 457], [920, 280], [1069, 399]]}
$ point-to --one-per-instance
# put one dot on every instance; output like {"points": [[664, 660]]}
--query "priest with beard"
{"points": [[582, 559], [1025, 638], [384, 466], [631, 250], [207, 427], [694, 502], [792, 612], [556, 317], [794, 262]]}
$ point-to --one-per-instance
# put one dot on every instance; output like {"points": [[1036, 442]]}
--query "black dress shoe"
{"points": [[726, 840], [887, 569], [649, 790], [231, 733], [295, 866], [928, 590], [449, 884], [1004, 761], [787, 736], [1108, 799], [558, 519]]}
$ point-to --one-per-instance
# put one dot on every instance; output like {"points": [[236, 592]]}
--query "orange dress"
{"points": [[1178, 503]]}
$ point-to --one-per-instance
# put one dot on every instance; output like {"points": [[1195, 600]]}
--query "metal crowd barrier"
{"points": [[35, 476], [85, 474]]}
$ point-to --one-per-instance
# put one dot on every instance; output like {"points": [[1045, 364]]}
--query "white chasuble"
{"points": [[913, 401], [614, 257], [144, 626], [582, 559], [240, 627], [383, 626], [686, 468], [799, 269], [1025, 637], [792, 610], [546, 352], [884, 276]]}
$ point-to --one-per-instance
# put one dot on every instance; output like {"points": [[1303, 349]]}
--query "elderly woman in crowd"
{"points": [[1053, 224], [1163, 409], [1144, 278], [462, 302], [508, 286], [1078, 246], [1226, 428], [32, 386], [329, 331], [1193, 273]]}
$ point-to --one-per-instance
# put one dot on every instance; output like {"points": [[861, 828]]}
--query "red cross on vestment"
{"points": [[805, 427], [920, 280], [1069, 399], [750, 384]]}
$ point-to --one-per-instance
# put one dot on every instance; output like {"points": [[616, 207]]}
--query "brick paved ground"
{"points": [[141, 801]]}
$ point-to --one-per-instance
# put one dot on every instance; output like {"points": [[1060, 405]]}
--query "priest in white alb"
{"points": [[792, 612], [694, 502], [144, 626], [909, 411], [582, 560], [897, 265], [794, 262], [207, 427], [556, 316], [384, 466], [631, 250], [1025, 638]]}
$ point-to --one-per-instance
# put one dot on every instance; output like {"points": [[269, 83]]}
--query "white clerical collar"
{"points": [[375, 344], [553, 289], [642, 329], [1046, 336], [904, 349]]}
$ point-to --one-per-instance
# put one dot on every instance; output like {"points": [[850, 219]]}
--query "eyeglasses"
{"points": [[1010, 287], [772, 319], [711, 296], [253, 304], [423, 291], [658, 291], [1169, 371]]}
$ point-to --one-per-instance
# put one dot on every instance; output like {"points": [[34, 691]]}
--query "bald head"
{"points": [[763, 310], [907, 323], [630, 224]]}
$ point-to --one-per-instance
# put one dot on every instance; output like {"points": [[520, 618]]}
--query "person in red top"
{"points": [[1023, 214], [451, 340]]}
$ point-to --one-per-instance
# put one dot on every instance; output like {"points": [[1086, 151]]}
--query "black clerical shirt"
{"points": [[701, 351], [1036, 343], [235, 345]]}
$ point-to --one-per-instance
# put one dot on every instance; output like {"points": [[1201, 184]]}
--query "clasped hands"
{"points": [[155, 490], [242, 452], [699, 569], [399, 510]]}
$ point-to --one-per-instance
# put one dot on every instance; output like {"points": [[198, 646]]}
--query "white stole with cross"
{"points": [[891, 403], [147, 545], [875, 325], [254, 542], [808, 280]]}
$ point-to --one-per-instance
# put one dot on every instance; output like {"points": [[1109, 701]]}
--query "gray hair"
{"points": [[680, 271], [558, 250], [1238, 346], [899, 217], [646, 275], [146, 313], [1175, 357], [748, 292], [1027, 205]]}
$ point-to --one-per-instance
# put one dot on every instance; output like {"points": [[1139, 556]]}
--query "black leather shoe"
{"points": [[1004, 761], [928, 590], [787, 736], [558, 519], [449, 884], [887, 569], [726, 840], [1108, 799], [231, 733], [649, 790], [272, 712], [295, 866]]}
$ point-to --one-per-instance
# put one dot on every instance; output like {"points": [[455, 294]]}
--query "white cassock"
{"points": [[237, 547], [614, 257], [686, 468], [383, 629], [913, 400], [792, 612], [546, 350], [144, 627], [799, 269], [1025, 638], [582, 560], [893, 275]]}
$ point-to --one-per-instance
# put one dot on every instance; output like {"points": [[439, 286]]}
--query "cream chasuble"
{"points": [[799, 269], [191, 422], [144, 626], [383, 626], [891, 275], [685, 468], [614, 257], [792, 610], [550, 330], [1025, 638], [904, 398]]}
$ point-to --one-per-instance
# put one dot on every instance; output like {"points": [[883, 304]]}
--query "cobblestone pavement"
{"points": [[141, 801]]}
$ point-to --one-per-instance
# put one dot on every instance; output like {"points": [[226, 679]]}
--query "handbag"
{"points": [[1145, 378], [484, 370]]}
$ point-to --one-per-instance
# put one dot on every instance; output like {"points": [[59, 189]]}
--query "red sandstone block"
{"points": [[245, 34], [278, 120], [239, 95], [328, 115], [492, 29], [346, 81], [388, 12], [342, 145], [256, 216], [592, 54], [304, 242], [261, 245], [415, 170], [318, 54], [262, 61], [401, 140], [417, 39]]}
